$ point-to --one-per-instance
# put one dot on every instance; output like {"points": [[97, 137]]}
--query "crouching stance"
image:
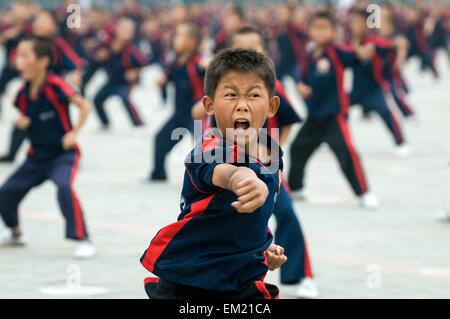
{"points": [[54, 154], [221, 246]]}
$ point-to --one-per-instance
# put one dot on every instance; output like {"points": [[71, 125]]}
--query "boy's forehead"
{"points": [[321, 21], [24, 45], [240, 80]]}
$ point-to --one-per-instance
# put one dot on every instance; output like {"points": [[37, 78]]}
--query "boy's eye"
{"points": [[254, 95], [230, 95]]}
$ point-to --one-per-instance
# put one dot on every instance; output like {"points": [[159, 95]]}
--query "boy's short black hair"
{"points": [[323, 14], [42, 47], [195, 31], [52, 15], [240, 60], [248, 30], [237, 10], [360, 12]]}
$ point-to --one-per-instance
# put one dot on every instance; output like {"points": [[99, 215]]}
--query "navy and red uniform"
{"points": [[100, 37], [420, 47], [288, 233], [220, 41], [212, 250], [65, 60], [188, 82], [8, 72], [47, 160], [396, 83], [291, 45], [326, 122], [129, 57], [370, 88]]}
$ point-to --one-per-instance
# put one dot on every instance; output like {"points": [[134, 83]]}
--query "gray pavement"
{"points": [[402, 250]]}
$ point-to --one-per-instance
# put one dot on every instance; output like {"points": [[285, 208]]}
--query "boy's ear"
{"points": [[208, 105], [273, 106], [44, 62]]}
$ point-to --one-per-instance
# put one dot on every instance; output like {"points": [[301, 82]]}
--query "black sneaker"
{"points": [[12, 240], [6, 159]]}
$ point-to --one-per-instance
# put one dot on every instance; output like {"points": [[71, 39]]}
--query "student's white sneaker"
{"points": [[85, 250], [300, 194], [369, 200], [307, 289], [139, 132], [443, 216], [402, 150], [11, 240]]}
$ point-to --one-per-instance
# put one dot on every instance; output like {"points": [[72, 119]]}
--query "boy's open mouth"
{"points": [[241, 125]]}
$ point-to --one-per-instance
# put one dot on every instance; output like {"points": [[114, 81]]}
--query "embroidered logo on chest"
{"points": [[45, 116], [323, 65], [182, 202]]}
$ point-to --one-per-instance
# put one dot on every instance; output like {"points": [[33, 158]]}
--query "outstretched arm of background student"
{"points": [[284, 134], [198, 111], [69, 139], [76, 78], [251, 191], [132, 75], [401, 45]]}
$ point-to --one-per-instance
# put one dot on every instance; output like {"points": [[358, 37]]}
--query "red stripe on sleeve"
{"points": [[60, 109], [165, 235], [195, 80], [71, 55], [60, 83]]}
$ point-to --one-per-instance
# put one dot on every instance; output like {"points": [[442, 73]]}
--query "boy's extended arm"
{"points": [[69, 138], [251, 191]]}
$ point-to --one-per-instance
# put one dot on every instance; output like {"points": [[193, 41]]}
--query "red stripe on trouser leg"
{"points": [[397, 131], [308, 268], [77, 213], [395, 123], [136, 118], [354, 156], [402, 99], [262, 288]]}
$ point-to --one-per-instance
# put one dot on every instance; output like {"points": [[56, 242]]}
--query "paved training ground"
{"points": [[400, 251]]}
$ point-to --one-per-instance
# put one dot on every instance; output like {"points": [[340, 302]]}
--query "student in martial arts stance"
{"points": [[220, 247], [54, 153], [322, 87]]}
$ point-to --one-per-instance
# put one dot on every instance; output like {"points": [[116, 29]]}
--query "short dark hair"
{"points": [[52, 15], [237, 10], [361, 13], [195, 31], [248, 30], [42, 47], [240, 60], [323, 14]]}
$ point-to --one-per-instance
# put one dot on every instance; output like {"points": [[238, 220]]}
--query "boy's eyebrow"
{"points": [[230, 86], [256, 86]]}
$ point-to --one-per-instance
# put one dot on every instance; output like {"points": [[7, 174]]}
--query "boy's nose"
{"points": [[242, 105]]}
